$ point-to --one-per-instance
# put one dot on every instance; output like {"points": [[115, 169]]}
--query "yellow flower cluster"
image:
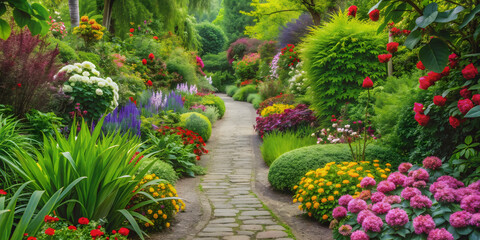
{"points": [[89, 30], [318, 192], [275, 109], [162, 212]]}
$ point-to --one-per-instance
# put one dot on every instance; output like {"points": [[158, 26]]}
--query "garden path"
{"points": [[237, 213]]}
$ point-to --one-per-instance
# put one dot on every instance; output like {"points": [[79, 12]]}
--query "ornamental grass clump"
{"points": [[319, 191], [413, 203]]}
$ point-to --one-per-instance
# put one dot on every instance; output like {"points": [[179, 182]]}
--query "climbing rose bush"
{"points": [[412, 203], [288, 120], [319, 191]]}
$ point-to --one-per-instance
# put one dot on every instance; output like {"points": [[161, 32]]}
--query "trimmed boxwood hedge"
{"points": [[198, 123]]}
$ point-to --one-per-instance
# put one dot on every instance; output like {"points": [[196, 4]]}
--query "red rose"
{"points": [[434, 76], [151, 56], [439, 100], [144, 61], [155, 37], [96, 233], [420, 65], [406, 32], [464, 105], [470, 71], [374, 15], [131, 35], [446, 71], [123, 231], [418, 108], [453, 60], [367, 83], [72, 228], [465, 93], [149, 83], [476, 99], [31, 238], [83, 221], [395, 31], [3, 192], [383, 58], [132, 30], [422, 119], [425, 83], [352, 11], [50, 231], [454, 122], [392, 47]]}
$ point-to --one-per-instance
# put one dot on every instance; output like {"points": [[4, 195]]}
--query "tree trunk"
{"points": [[316, 16], [74, 13], [107, 14], [390, 63]]}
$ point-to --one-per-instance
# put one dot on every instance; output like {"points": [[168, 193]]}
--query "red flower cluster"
{"points": [[290, 48], [352, 11], [384, 58], [83, 221], [132, 30], [464, 105], [374, 15], [50, 231], [453, 60], [421, 118], [49, 219], [96, 233], [392, 47], [144, 61], [420, 65], [188, 137], [439, 101], [149, 83], [151, 56], [155, 37], [432, 77], [470, 72], [246, 82], [367, 83], [3, 192], [134, 156]]}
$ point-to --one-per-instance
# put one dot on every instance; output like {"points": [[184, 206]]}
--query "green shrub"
{"points": [[197, 123], [247, 68], [287, 170], [91, 57], [243, 92], [221, 79], [337, 57], [385, 154], [211, 112], [43, 123], [256, 102], [182, 63], [217, 63], [252, 96], [162, 170], [213, 100], [278, 143], [212, 38], [231, 90], [66, 52], [129, 85], [270, 88]]}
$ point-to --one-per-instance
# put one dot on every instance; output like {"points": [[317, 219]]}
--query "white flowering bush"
{"points": [[85, 86], [297, 82]]}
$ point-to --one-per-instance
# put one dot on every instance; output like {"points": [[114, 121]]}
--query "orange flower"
{"points": [[84, 19], [96, 26], [92, 21]]}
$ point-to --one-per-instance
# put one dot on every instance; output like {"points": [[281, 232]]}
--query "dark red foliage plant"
{"points": [[291, 119], [27, 71]]}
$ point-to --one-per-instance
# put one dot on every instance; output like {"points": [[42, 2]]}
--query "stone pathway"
{"points": [[237, 214]]}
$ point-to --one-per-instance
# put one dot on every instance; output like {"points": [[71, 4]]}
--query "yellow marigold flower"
{"points": [[354, 175], [164, 216], [295, 187], [338, 185], [84, 19], [382, 171], [155, 194], [300, 207], [325, 217], [383, 176], [300, 199], [359, 168], [308, 204], [324, 200], [295, 200], [331, 198], [149, 211], [314, 198], [96, 26], [167, 224], [316, 205], [155, 215], [335, 193], [310, 187], [345, 181], [151, 190], [309, 214], [340, 173], [320, 190], [376, 164], [367, 171], [387, 169], [329, 183], [370, 175], [160, 212], [388, 165], [359, 186], [147, 224], [300, 191], [83, 26], [376, 161], [321, 184]]}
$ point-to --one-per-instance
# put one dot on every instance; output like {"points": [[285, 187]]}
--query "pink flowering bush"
{"points": [[413, 203]]}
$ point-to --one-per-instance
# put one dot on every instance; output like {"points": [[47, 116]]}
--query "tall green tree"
{"points": [[234, 22]]}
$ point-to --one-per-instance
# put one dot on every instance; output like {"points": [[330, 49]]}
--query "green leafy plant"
{"points": [[34, 16], [162, 169], [247, 68], [212, 38], [197, 123], [213, 100], [243, 92], [278, 143], [231, 90], [466, 160], [43, 123]]}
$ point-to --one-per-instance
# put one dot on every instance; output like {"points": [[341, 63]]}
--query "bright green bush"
{"points": [[337, 57], [212, 38], [88, 56], [243, 92], [182, 63], [197, 123], [221, 79], [231, 90], [256, 102], [270, 88], [211, 112], [290, 167], [66, 53], [217, 63], [252, 96], [129, 85], [278, 143], [213, 100], [163, 170]]}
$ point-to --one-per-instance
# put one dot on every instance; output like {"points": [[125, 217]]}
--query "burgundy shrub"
{"points": [[242, 47]]}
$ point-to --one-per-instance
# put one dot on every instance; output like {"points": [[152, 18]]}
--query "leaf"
{"points": [[468, 139], [375, 6], [444, 94], [5, 29], [398, 12], [469, 17], [449, 15], [476, 33], [21, 17], [430, 13], [474, 112], [434, 55], [413, 39], [475, 235], [464, 231], [35, 27], [42, 12]]}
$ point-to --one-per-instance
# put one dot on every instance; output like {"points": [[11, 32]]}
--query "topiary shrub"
{"points": [[243, 92], [212, 38], [287, 170], [337, 57], [197, 123], [163, 170], [216, 63], [231, 90], [213, 100], [66, 53]]}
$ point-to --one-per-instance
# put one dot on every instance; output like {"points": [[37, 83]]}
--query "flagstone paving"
{"points": [[237, 213]]}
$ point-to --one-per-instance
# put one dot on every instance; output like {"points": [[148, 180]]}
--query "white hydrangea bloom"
{"points": [[95, 72], [77, 69], [67, 88], [101, 84], [99, 92], [86, 74], [88, 65]]}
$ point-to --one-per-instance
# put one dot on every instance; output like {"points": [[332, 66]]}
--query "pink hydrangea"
{"points": [[432, 162], [439, 234], [357, 205], [409, 192], [475, 185], [386, 186], [419, 175], [420, 202], [392, 199], [423, 224], [471, 203], [363, 214], [397, 178], [372, 223], [345, 230], [419, 184], [367, 182], [451, 181], [463, 192], [396, 217], [404, 167], [359, 235], [445, 195], [460, 219], [381, 207], [409, 181], [437, 186], [339, 212], [475, 220], [377, 197], [344, 200]]}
